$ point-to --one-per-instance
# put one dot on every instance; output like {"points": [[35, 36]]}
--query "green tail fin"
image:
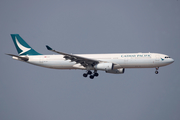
{"points": [[22, 47]]}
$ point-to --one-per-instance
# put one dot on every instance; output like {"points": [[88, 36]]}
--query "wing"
{"points": [[78, 59]]}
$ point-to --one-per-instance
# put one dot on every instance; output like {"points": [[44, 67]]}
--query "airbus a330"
{"points": [[110, 63]]}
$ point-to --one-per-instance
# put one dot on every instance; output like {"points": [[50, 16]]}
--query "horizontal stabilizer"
{"points": [[19, 57]]}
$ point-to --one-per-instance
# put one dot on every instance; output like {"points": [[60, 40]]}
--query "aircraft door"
{"points": [[157, 58], [41, 59]]}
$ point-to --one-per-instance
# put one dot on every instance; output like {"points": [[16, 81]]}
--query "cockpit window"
{"points": [[167, 57]]}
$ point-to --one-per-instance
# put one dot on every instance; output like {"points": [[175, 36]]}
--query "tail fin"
{"points": [[22, 47]]}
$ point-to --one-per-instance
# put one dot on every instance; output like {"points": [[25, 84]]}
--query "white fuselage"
{"points": [[125, 60]]}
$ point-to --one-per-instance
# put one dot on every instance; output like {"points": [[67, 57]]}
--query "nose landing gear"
{"points": [[156, 72]]}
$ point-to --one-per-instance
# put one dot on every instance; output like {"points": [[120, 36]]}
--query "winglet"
{"points": [[49, 48]]}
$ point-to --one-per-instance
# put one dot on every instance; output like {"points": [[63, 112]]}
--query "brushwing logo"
{"points": [[24, 49]]}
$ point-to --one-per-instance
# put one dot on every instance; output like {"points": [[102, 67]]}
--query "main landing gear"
{"points": [[91, 75], [156, 72]]}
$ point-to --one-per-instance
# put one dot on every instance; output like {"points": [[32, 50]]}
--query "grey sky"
{"points": [[29, 92]]}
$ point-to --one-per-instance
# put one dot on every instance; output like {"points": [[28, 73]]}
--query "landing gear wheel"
{"points": [[85, 75], [96, 74], [91, 76], [156, 72]]}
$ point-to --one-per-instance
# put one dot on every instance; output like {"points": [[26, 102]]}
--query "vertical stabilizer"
{"points": [[22, 47]]}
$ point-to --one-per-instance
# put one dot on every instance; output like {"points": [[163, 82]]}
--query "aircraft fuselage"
{"points": [[129, 60]]}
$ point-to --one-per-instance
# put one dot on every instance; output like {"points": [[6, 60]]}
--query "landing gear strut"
{"points": [[91, 75], [156, 72]]}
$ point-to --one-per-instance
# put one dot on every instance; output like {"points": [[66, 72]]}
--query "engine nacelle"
{"points": [[104, 66], [116, 71]]}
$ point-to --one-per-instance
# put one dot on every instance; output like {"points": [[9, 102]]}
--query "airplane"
{"points": [[110, 63]]}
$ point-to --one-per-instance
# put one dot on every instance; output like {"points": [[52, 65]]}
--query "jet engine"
{"points": [[104, 66], [116, 71]]}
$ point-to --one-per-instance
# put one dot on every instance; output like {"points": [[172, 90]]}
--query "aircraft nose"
{"points": [[171, 60]]}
